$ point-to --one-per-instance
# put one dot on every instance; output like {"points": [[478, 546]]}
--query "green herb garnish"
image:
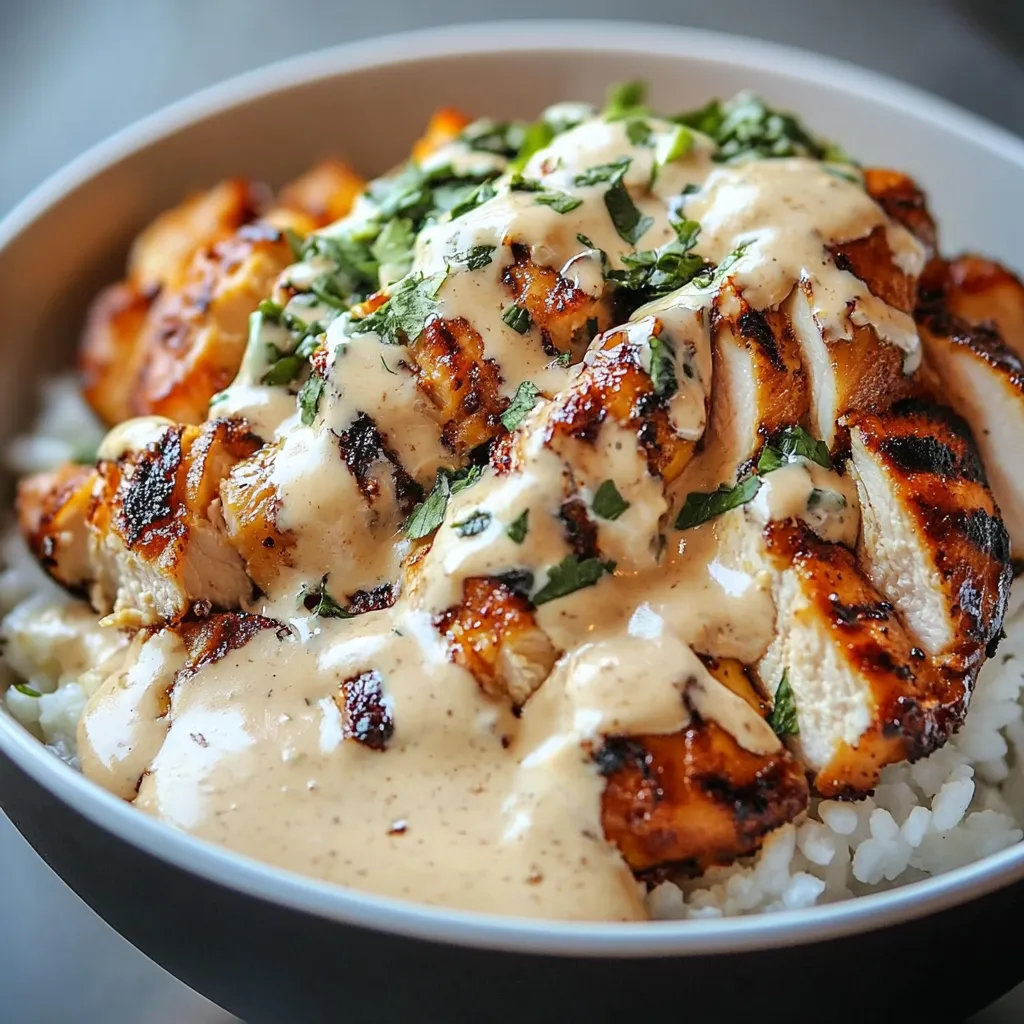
{"points": [[783, 718], [518, 318], [608, 503], [522, 402], [283, 370], [474, 198], [404, 316], [700, 507], [315, 598], [663, 366], [656, 272], [295, 242], [476, 257], [560, 202], [793, 443], [393, 248], [625, 99], [474, 523], [629, 222], [309, 398], [535, 137], [519, 527], [27, 690], [638, 132], [603, 172], [570, 575], [270, 310], [680, 145], [429, 514]]}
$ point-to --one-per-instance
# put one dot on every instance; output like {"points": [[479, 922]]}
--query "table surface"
{"points": [[72, 72]]}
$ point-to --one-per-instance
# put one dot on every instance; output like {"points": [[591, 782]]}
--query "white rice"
{"points": [[962, 803]]}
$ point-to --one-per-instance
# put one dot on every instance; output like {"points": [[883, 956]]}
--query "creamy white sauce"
{"points": [[470, 806]]}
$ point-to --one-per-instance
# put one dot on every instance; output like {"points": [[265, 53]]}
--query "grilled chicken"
{"points": [[971, 322], [696, 798], [902, 199], [863, 692], [171, 335], [140, 533], [932, 542]]}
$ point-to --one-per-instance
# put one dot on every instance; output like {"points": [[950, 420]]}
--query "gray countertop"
{"points": [[71, 72]]}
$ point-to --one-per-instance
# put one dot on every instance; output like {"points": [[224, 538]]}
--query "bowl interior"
{"points": [[367, 103]]}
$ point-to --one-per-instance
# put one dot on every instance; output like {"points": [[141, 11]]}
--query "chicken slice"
{"points": [[932, 541], [697, 798], [902, 199], [983, 380], [856, 691], [760, 382], [141, 531]]}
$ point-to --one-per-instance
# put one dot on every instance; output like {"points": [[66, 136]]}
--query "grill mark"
{"points": [[375, 600], [915, 454], [363, 448], [618, 753], [853, 614], [580, 529], [147, 495], [754, 327]]}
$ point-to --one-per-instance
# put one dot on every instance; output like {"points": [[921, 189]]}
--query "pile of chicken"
{"points": [[175, 527]]}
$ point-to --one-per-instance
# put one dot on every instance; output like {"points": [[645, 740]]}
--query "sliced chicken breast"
{"points": [[696, 798], [852, 684], [141, 532], [902, 199], [983, 380], [931, 541]]}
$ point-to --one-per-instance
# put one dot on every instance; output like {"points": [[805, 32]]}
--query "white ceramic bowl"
{"points": [[276, 946]]}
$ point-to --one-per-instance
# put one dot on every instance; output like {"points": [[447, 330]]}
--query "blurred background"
{"points": [[73, 71]]}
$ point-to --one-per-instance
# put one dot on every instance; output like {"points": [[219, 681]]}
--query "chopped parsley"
{"points": [[309, 398], [503, 138], [315, 598], [652, 273], [519, 527], [404, 316], [629, 222], [535, 137], [522, 402], [429, 514], [608, 503], [603, 172], [710, 275], [476, 257], [270, 310], [663, 366], [564, 358], [680, 145], [473, 198], [783, 719], [638, 132], [26, 690], [283, 370], [560, 202], [518, 318], [476, 522], [793, 443], [700, 507], [393, 248], [570, 575], [745, 128], [625, 99]]}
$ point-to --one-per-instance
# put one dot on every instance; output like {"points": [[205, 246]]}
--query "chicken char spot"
{"points": [[929, 455], [754, 327], [366, 714], [150, 487], [209, 639], [363, 448], [580, 529]]}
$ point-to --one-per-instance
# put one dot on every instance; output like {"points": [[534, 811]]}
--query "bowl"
{"points": [[273, 946]]}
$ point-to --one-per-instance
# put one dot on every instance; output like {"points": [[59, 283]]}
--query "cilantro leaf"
{"points": [[309, 398], [505, 138], [517, 318], [608, 503], [519, 527], [629, 222], [476, 522], [476, 257], [604, 172], [656, 272], [429, 514], [478, 195], [316, 599], [405, 314], [570, 575], [27, 690], [709, 275], [295, 242], [700, 507], [270, 310], [682, 141], [522, 402], [638, 132], [625, 99], [783, 718], [560, 202], [394, 246], [283, 370], [535, 137], [792, 443], [663, 366]]}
